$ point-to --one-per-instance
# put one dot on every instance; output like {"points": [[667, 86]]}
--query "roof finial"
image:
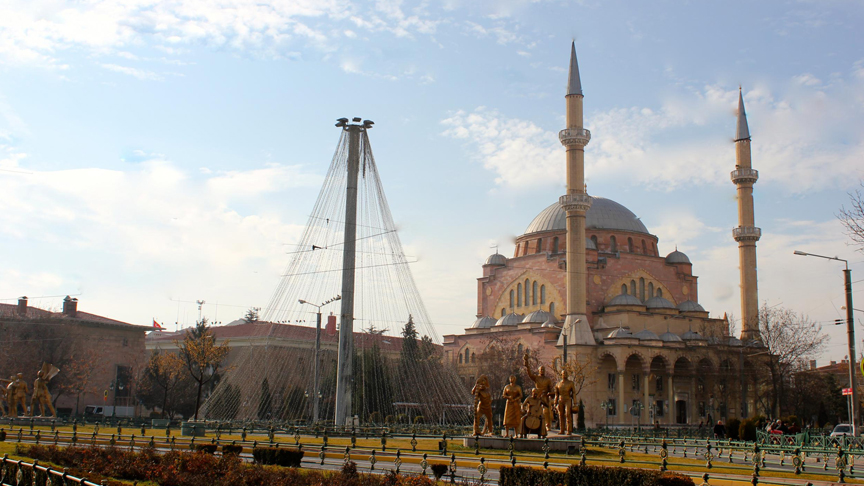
{"points": [[742, 131], [574, 83]]}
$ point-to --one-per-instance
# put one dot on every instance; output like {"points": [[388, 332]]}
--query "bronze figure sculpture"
{"points": [[565, 393], [513, 408], [41, 395], [543, 385], [482, 405], [533, 420]]}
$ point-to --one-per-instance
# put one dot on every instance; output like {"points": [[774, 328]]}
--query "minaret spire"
{"points": [[576, 202], [574, 83], [746, 234], [743, 131]]}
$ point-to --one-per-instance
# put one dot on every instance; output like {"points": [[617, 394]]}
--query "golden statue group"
{"points": [[16, 391], [534, 414]]}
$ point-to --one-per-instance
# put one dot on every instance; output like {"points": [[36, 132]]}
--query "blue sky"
{"points": [[159, 152]]}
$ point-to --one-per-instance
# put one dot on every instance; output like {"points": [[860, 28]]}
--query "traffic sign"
{"points": [[847, 391]]}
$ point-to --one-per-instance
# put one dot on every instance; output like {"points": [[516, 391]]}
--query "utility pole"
{"points": [[345, 368], [316, 395]]}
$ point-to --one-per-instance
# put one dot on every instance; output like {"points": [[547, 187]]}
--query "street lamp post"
{"points": [[850, 334], [606, 406], [316, 395]]}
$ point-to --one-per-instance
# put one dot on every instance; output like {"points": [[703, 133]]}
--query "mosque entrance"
{"points": [[681, 411]]}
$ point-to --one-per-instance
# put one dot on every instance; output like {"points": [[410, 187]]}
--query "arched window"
{"points": [[630, 244], [460, 358], [633, 288], [594, 240], [644, 248], [642, 289], [511, 299], [552, 310], [534, 293], [650, 289], [659, 292], [542, 294], [525, 248], [519, 295], [539, 245], [473, 358], [624, 289], [467, 355], [555, 245], [520, 348], [526, 292], [613, 244], [504, 311]]}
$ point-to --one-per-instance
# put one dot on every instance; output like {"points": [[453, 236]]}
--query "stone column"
{"points": [[671, 392], [621, 406], [691, 405]]}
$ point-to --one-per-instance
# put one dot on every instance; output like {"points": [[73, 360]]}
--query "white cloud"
{"points": [[807, 137], [141, 74]]}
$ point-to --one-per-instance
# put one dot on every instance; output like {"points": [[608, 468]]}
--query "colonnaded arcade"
{"points": [[632, 314]]}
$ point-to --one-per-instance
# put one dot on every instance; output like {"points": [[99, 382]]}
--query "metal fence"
{"points": [[20, 473]]}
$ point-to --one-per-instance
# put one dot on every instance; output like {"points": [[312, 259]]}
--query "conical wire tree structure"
{"points": [[398, 371]]}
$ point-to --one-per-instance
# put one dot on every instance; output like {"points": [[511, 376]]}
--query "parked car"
{"points": [[100, 411], [842, 430]]}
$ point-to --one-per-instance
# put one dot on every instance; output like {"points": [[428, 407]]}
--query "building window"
{"points": [[610, 381], [555, 245], [659, 292], [539, 245], [504, 311], [125, 342], [542, 294], [630, 245], [511, 299], [473, 358], [658, 386], [612, 410], [467, 356], [524, 248], [635, 401], [527, 286], [642, 289], [644, 248], [460, 358], [658, 410], [613, 244], [636, 382], [552, 309], [624, 289], [519, 295], [650, 289], [701, 409], [534, 293], [594, 240], [633, 288]]}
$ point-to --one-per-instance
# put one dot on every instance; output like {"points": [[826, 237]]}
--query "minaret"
{"points": [[746, 234], [576, 203]]}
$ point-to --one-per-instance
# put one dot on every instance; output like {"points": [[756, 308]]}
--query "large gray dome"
{"points": [[604, 214]]}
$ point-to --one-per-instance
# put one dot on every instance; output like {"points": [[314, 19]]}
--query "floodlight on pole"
{"points": [[850, 333]]}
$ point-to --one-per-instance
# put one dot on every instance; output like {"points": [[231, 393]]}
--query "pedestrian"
{"points": [[719, 430]]}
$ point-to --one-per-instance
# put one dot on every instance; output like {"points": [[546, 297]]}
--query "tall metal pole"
{"points": [[315, 374], [850, 333], [345, 372]]}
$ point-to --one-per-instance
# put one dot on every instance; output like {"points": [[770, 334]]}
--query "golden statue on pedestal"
{"points": [[41, 395], [565, 393], [482, 405], [534, 420], [18, 390], [543, 386], [513, 408]]}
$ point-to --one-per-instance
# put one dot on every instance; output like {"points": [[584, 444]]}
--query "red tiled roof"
{"points": [[10, 311], [284, 331]]}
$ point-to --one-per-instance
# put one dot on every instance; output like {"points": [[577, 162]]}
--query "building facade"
{"points": [[626, 311]]}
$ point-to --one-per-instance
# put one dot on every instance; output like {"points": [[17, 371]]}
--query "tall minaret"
{"points": [[576, 203], [746, 234]]}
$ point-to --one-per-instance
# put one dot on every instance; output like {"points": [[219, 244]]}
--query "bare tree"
{"points": [[202, 356], [853, 218], [790, 339]]}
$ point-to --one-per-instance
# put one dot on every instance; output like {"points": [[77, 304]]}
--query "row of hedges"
{"points": [[183, 468], [590, 476], [273, 456]]}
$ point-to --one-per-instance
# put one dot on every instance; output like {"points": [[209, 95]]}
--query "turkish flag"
{"points": [[157, 326]]}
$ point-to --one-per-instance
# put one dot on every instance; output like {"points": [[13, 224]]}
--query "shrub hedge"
{"points": [[273, 456], [590, 476], [208, 448], [232, 449], [732, 428]]}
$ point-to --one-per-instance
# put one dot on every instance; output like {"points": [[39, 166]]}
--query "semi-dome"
{"points": [[496, 259], [484, 322], [646, 335], [670, 337], [692, 336], [510, 320], [677, 257], [619, 333], [604, 214], [659, 303], [538, 317], [690, 306], [624, 299]]}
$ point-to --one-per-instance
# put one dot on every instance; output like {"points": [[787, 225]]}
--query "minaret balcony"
{"points": [[574, 136], [575, 202], [740, 176], [746, 233]]}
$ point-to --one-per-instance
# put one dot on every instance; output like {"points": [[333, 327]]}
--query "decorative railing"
{"points": [[746, 233], [744, 175], [574, 136], [576, 201], [22, 473]]}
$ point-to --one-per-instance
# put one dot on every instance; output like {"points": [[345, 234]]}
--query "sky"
{"points": [[158, 152]]}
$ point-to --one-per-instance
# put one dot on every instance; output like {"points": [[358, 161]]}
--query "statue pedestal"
{"points": [[557, 443], [25, 421]]}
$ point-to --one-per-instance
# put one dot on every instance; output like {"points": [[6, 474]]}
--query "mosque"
{"points": [[632, 315]]}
